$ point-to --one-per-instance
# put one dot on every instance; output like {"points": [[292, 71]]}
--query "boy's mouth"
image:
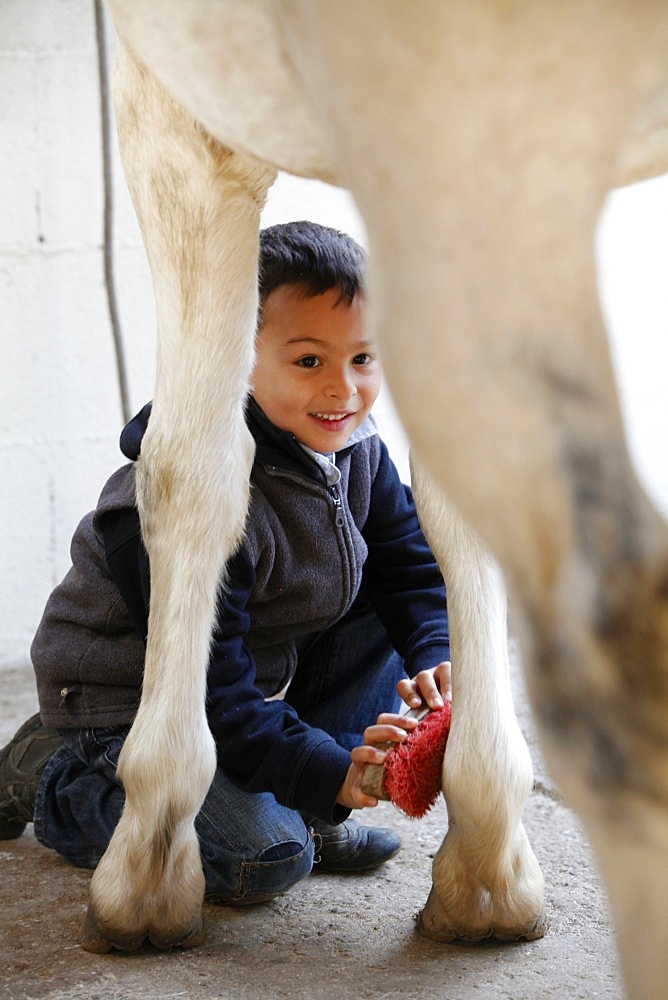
{"points": [[332, 421]]}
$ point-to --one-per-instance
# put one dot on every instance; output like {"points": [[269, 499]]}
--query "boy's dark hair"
{"points": [[315, 258]]}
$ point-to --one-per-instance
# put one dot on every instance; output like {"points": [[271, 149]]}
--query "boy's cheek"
{"points": [[278, 406]]}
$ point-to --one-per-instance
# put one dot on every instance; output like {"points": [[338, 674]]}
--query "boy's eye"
{"points": [[362, 359], [308, 361]]}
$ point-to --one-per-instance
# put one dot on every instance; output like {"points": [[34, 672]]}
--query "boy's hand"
{"points": [[431, 687], [388, 729]]}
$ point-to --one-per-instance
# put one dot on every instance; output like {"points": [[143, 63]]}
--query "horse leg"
{"points": [[486, 879], [480, 168], [198, 205]]}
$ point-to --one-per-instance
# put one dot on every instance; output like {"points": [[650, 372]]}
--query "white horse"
{"points": [[479, 140]]}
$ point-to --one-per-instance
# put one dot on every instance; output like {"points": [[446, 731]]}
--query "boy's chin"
{"points": [[326, 443]]}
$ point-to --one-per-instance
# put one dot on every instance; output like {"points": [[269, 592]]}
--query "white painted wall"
{"points": [[60, 414]]}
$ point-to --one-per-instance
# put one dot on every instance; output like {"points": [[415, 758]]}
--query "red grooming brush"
{"points": [[413, 768], [411, 774]]}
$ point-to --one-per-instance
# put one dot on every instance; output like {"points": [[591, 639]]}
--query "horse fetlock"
{"points": [[146, 887], [475, 896]]}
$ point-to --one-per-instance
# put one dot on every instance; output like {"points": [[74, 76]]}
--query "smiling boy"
{"points": [[333, 608], [316, 372]]}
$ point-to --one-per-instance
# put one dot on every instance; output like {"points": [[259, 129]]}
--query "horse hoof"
{"points": [[537, 930], [96, 939], [435, 932], [93, 938], [190, 939]]}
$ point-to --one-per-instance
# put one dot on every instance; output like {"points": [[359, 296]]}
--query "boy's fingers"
{"points": [[443, 675], [351, 794], [429, 686], [367, 754], [392, 719], [408, 692], [364, 801], [386, 733], [429, 689]]}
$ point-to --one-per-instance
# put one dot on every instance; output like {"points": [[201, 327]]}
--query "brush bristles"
{"points": [[413, 768]]}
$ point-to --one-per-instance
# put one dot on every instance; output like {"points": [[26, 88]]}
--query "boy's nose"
{"points": [[342, 385]]}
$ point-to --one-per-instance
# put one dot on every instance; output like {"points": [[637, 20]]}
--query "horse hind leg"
{"points": [[482, 237], [198, 205], [536, 459], [600, 689]]}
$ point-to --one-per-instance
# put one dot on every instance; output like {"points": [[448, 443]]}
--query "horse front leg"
{"points": [[486, 879], [198, 206]]}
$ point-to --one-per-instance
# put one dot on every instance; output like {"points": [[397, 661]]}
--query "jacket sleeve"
{"points": [[403, 580], [127, 560], [262, 746]]}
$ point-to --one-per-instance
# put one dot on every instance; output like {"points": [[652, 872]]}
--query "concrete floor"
{"points": [[331, 937]]}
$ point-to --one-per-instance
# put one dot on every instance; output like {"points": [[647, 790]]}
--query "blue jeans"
{"points": [[252, 847]]}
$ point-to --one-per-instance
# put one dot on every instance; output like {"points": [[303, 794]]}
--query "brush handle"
{"points": [[373, 778]]}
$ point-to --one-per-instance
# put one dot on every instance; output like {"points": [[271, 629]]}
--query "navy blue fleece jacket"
{"points": [[309, 545]]}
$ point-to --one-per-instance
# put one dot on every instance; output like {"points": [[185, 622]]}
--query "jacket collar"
{"points": [[268, 438]]}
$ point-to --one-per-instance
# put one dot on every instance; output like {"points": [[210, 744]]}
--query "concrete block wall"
{"points": [[60, 412], [59, 405]]}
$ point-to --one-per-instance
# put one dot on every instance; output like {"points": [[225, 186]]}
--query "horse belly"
{"points": [[225, 64]]}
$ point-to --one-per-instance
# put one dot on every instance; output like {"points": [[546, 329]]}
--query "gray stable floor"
{"points": [[331, 937]]}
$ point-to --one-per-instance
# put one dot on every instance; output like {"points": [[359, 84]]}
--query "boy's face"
{"points": [[316, 372]]}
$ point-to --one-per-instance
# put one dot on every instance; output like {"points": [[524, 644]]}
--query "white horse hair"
{"points": [[479, 140]]}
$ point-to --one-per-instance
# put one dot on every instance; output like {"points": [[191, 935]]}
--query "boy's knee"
{"points": [[275, 870]]}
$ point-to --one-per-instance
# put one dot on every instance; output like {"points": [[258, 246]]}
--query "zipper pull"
{"points": [[338, 506]]}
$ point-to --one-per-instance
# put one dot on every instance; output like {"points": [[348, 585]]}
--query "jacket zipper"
{"points": [[339, 516], [338, 506], [335, 496]]}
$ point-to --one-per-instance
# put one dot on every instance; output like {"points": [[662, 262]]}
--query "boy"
{"points": [[332, 596]]}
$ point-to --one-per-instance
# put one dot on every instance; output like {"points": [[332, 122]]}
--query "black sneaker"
{"points": [[350, 847], [21, 764]]}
